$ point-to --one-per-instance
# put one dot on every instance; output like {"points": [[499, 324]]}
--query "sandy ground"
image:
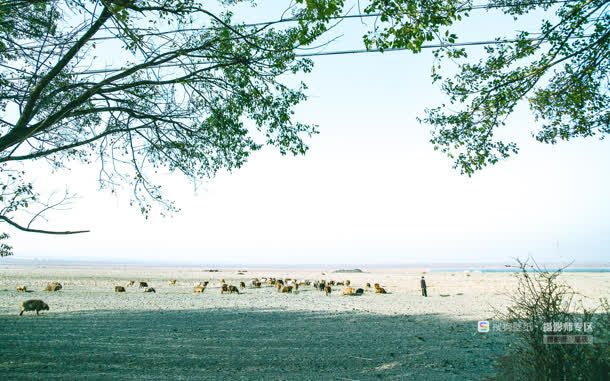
{"points": [[91, 331]]}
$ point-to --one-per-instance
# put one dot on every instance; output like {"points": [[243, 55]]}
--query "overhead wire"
{"points": [[333, 53], [345, 52], [295, 19]]}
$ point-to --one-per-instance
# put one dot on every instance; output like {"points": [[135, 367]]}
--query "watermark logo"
{"points": [[567, 339], [483, 326]]}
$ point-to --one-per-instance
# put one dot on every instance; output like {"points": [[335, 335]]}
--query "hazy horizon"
{"points": [[339, 266]]}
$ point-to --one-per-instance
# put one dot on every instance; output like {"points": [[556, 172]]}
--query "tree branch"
{"points": [[20, 131], [13, 223]]}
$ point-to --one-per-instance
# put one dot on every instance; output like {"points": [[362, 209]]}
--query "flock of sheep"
{"points": [[286, 285], [142, 285], [37, 304]]}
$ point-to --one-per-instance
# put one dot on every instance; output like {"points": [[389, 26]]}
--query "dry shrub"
{"points": [[541, 297]]}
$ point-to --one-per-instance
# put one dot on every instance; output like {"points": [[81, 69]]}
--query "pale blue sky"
{"points": [[370, 191]]}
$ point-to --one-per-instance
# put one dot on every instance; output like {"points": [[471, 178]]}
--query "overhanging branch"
{"points": [[16, 225]]}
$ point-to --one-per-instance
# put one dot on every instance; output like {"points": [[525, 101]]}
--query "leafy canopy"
{"points": [[562, 72], [139, 86]]}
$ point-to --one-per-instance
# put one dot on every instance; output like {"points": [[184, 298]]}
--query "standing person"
{"points": [[423, 287]]}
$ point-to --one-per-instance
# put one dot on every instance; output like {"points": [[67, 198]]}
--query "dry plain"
{"points": [[93, 332]]}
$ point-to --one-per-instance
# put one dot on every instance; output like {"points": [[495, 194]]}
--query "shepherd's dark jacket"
{"points": [[423, 283]]}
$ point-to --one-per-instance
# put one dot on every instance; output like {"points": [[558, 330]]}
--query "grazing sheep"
{"points": [[149, 289], [347, 282], [33, 305], [322, 286], [328, 290], [172, 282], [21, 289], [205, 284], [278, 286], [199, 290], [224, 288], [55, 286], [242, 285], [349, 291], [286, 289], [279, 281], [340, 284], [233, 289], [257, 284], [143, 284], [376, 285], [119, 289], [305, 283], [359, 291], [131, 283], [331, 282], [380, 290], [222, 281], [368, 285]]}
